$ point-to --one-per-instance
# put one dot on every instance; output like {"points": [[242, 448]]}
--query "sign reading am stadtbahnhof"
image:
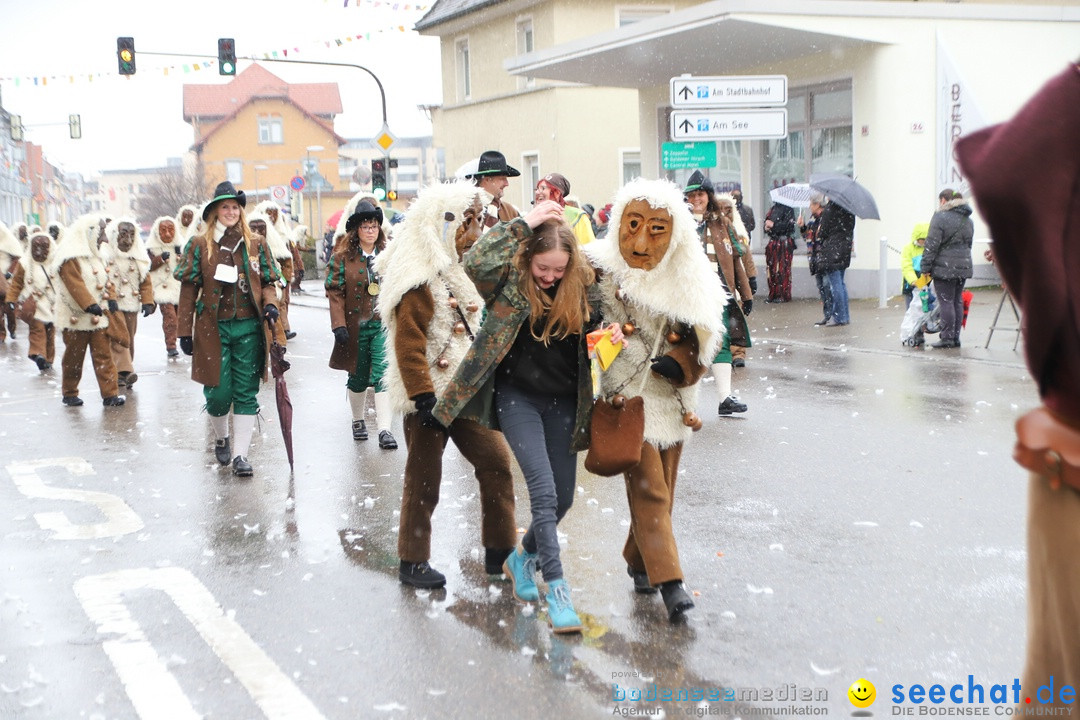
{"points": [[688, 91]]}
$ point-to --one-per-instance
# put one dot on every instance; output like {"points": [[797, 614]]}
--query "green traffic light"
{"points": [[379, 193]]}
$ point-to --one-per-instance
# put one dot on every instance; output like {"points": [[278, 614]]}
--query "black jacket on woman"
{"points": [[948, 242], [834, 238]]}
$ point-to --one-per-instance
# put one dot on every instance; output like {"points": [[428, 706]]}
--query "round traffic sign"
{"points": [[297, 183], [278, 192]]}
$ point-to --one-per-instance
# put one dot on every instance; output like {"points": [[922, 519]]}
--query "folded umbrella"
{"points": [[794, 195], [278, 366], [846, 193]]}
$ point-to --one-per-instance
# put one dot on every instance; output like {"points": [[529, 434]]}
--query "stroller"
{"points": [[922, 316]]}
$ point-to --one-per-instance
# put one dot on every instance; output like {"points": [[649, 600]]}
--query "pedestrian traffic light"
{"points": [[75, 126], [125, 54], [16, 128], [378, 178], [391, 195], [226, 56]]}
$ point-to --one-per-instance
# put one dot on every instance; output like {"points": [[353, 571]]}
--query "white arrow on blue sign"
{"points": [[749, 124]]}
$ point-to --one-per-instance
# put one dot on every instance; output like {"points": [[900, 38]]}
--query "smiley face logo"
{"points": [[862, 693]]}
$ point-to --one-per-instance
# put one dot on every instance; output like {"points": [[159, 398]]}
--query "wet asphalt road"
{"points": [[863, 519]]}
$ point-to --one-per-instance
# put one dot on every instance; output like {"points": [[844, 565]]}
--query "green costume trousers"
{"points": [[241, 369], [370, 358]]}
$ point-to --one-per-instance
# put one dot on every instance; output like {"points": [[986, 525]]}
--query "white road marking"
{"points": [[120, 518], [153, 690]]}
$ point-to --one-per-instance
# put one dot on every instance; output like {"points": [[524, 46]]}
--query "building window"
{"points": [[629, 15], [530, 175], [234, 171], [630, 162], [270, 131], [819, 137], [525, 45], [464, 72]]}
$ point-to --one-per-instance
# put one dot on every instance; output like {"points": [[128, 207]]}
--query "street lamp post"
{"points": [[318, 186], [257, 168]]}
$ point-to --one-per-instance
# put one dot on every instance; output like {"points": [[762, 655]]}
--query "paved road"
{"points": [[863, 519]]}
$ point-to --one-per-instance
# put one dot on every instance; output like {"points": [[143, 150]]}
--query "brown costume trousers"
{"points": [[1053, 625], [42, 341], [168, 325], [283, 308], [75, 342], [738, 351], [488, 453], [123, 356], [650, 490]]}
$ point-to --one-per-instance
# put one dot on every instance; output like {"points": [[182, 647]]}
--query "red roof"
{"points": [[217, 101]]}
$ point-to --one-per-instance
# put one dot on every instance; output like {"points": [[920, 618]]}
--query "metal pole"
{"points": [[318, 202], [883, 272]]}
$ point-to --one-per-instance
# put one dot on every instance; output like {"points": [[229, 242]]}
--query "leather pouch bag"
{"points": [[117, 330], [615, 436]]}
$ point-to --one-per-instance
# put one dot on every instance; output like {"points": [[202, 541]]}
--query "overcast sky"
{"points": [[138, 122]]}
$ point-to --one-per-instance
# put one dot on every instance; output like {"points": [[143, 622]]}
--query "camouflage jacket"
{"points": [[471, 393]]}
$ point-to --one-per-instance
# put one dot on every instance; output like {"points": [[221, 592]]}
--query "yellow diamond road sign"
{"points": [[385, 140]]}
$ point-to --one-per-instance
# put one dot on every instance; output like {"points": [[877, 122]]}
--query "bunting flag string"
{"points": [[198, 65]]}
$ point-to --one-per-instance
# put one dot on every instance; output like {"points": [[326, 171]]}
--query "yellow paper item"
{"points": [[922, 281], [606, 351]]}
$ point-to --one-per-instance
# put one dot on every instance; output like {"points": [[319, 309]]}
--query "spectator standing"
{"points": [[835, 236], [947, 260], [554, 186], [491, 174], [911, 261], [813, 254]]}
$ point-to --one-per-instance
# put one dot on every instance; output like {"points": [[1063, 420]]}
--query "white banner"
{"points": [[957, 114]]}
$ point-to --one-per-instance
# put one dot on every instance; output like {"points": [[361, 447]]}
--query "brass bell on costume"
{"points": [[618, 401], [628, 329], [453, 303], [472, 307], [442, 363], [459, 328], [674, 338], [692, 421]]}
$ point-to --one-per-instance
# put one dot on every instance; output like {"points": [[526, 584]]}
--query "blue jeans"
{"points": [[839, 308], [825, 292], [538, 429]]}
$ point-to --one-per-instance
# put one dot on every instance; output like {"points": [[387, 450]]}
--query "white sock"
{"points": [[383, 414], [722, 373], [358, 403], [243, 427], [220, 425]]}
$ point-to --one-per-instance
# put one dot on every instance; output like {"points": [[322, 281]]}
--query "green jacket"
{"points": [[471, 393]]}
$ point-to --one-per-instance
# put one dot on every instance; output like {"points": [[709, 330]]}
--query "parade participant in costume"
{"points": [[129, 271], [780, 228], [716, 228], [740, 241], [554, 186], [227, 278], [55, 231], [657, 283], [359, 337], [431, 308], [261, 225], [187, 225], [297, 243], [83, 292], [10, 252], [161, 246], [527, 374], [1025, 176], [33, 281], [277, 236], [349, 210], [489, 172]]}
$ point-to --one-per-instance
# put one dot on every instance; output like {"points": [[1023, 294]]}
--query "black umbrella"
{"points": [[846, 193], [278, 366]]}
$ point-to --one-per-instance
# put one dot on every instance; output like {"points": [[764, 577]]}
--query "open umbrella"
{"points": [[794, 195], [278, 366], [846, 193], [332, 221]]}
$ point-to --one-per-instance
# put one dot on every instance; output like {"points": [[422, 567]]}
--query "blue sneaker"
{"points": [[520, 567], [561, 613]]}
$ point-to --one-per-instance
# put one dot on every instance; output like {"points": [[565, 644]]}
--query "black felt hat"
{"points": [[697, 181], [224, 191], [364, 211], [492, 162]]}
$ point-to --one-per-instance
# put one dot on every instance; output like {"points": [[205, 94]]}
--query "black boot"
{"points": [[731, 405], [494, 559], [420, 575], [386, 440], [241, 467], [72, 401], [359, 430], [676, 599], [222, 451], [641, 581], [113, 401]]}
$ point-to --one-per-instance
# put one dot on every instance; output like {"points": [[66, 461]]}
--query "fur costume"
{"points": [[80, 243], [128, 268], [736, 220], [350, 208], [184, 233], [16, 228], [279, 245], [423, 253], [10, 247], [38, 280], [682, 288], [166, 287]]}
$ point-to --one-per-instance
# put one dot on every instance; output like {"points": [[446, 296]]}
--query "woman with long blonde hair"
{"points": [[227, 278], [527, 374]]}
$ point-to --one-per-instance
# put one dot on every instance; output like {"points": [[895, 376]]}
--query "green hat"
{"points": [[224, 191]]}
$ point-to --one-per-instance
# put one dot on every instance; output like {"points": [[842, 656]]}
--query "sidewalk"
{"points": [[872, 329]]}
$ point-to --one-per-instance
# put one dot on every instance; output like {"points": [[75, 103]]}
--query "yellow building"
{"points": [[259, 132], [589, 134]]}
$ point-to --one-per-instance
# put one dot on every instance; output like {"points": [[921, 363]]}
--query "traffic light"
{"points": [[16, 128], [75, 126], [125, 54], [226, 56], [378, 178]]}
